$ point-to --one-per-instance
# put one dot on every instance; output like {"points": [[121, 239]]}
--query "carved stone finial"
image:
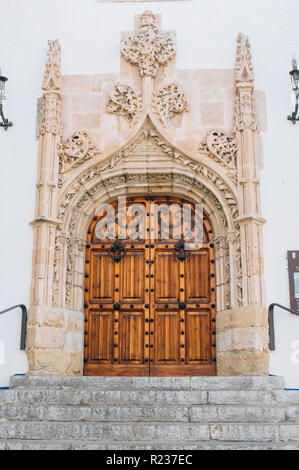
{"points": [[168, 101], [245, 108], [124, 102], [52, 77], [148, 47], [244, 72], [148, 18], [52, 84]]}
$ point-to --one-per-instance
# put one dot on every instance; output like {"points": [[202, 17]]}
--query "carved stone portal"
{"points": [[150, 156]]}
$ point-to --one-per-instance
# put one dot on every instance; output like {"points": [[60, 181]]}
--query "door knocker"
{"points": [[117, 252], [180, 252]]}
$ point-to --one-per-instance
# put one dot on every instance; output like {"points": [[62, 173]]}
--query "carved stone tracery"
{"points": [[125, 102], [148, 47], [168, 101], [222, 148], [75, 151]]}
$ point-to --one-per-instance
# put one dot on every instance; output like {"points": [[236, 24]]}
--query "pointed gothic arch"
{"points": [[181, 176]]}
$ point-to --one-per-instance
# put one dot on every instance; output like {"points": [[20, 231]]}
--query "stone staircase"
{"points": [[123, 413]]}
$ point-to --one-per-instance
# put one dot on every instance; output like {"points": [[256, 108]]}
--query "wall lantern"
{"points": [[6, 123], [295, 87]]}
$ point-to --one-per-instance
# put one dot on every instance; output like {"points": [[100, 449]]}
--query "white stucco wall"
{"points": [[90, 35]]}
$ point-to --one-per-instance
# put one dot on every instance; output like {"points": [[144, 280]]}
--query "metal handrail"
{"points": [[271, 322], [24, 323]]}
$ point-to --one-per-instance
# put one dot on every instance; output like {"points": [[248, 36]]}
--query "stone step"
{"points": [[146, 445], [104, 413], [139, 432], [287, 397], [103, 431], [149, 413], [89, 397], [148, 383], [242, 397], [145, 397]]}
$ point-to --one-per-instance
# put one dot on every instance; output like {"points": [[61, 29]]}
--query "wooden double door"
{"points": [[150, 306]]}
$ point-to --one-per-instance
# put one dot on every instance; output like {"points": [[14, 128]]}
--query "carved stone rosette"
{"points": [[75, 151], [148, 47], [222, 148], [125, 102], [168, 101]]}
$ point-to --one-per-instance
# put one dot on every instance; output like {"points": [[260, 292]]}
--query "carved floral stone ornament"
{"points": [[148, 47], [221, 148], [169, 101], [75, 151], [124, 102]]}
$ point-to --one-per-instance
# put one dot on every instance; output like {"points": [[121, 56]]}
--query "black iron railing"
{"points": [[271, 322], [24, 323]]}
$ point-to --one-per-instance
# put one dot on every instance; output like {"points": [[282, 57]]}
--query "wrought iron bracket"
{"points": [[6, 123]]}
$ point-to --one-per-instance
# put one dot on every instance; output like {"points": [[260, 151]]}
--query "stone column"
{"points": [[242, 332], [47, 350]]}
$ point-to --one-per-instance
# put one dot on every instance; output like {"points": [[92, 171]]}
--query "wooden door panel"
{"points": [[101, 330], [198, 337], [166, 343], [198, 277], [131, 337], [132, 277], [167, 276], [103, 277]]}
